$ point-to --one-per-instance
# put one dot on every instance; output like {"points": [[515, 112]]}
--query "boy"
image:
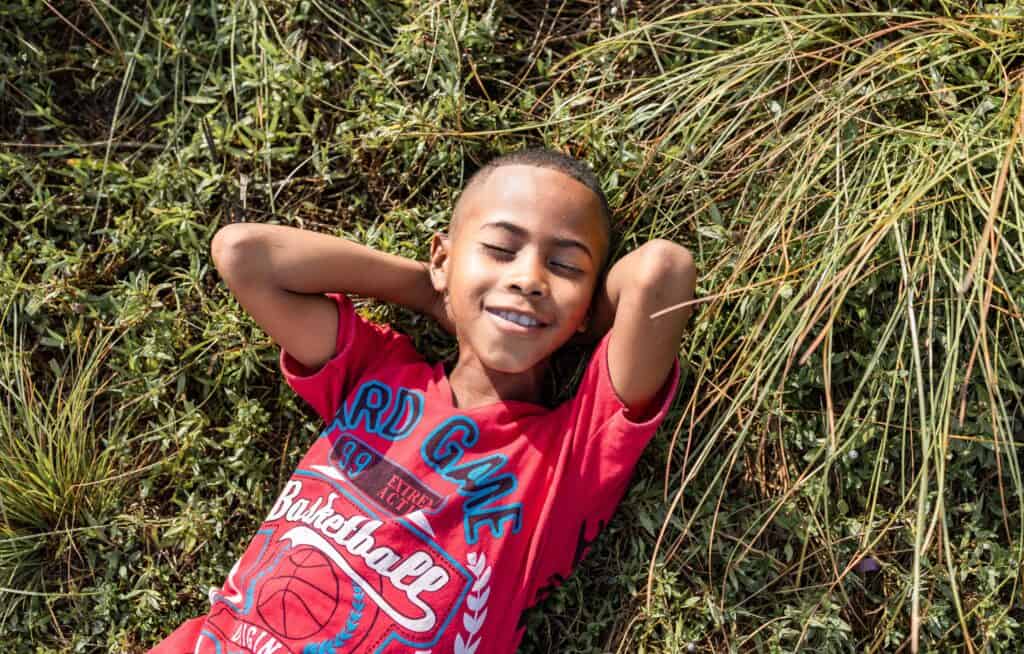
{"points": [[436, 507]]}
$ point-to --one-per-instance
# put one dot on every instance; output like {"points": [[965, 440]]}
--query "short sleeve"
{"points": [[604, 443], [361, 346], [607, 438]]}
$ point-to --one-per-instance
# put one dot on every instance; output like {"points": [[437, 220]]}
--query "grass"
{"points": [[846, 174]]}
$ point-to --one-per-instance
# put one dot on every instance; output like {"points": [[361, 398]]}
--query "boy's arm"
{"points": [[641, 350], [279, 275]]}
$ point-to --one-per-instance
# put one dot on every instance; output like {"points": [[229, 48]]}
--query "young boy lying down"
{"points": [[440, 502]]}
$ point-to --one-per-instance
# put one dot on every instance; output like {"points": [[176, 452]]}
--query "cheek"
{"points": [[469, 279], [577, 300]]}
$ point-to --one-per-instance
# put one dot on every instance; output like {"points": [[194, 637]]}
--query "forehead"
{"points": [[540, 200]]}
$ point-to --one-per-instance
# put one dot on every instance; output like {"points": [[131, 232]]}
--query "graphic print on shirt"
{"points": [[479, 480], [390, 486], [347, 561], [476, 605], [393, 415], [322, 579], [389, 415]]}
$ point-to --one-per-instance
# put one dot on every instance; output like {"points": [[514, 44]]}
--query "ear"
{"points": [[439, 257]]}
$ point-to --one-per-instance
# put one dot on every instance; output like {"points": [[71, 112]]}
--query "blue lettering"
{"points": [[493, 518], [478, 480], [390, 415], [405, 414], [448, 448], [371, 400]]}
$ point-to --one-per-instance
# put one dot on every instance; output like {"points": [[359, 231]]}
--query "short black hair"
{"points": [[545, 158]]}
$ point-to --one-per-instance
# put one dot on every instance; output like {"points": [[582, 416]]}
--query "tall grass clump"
{"points": [[53, 458], [67, 453], [853, 183], [841, 471]]}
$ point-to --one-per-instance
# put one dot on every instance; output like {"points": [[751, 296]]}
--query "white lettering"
{"points": [[325, 513], [430, 581], [381, 559], [295, 512], [252, 638], [256, 637], [361, 543], [350, 525], [413, 575], [414, 566], [330, 525], [311, 513], [270, 647], [291, 489]]}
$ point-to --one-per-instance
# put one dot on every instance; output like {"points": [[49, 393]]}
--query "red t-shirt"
{"points": [[415, 526]]}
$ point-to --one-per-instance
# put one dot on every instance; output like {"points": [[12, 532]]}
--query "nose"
{"points": [[527, 275]]}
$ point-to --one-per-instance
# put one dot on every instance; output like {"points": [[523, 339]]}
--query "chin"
{"points": [[510, 366]]}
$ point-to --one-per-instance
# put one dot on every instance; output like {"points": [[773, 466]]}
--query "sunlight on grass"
{"points": [[841, 471]]}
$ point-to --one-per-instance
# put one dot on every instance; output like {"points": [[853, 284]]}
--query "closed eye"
{"points": [[565, 267], [505, 254], [500, 252]]}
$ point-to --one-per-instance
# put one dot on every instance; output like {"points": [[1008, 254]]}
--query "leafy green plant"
{"points": [[848, 177]]}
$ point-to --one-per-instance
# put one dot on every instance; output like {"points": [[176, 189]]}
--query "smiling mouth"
{"points": [[516, 318]]}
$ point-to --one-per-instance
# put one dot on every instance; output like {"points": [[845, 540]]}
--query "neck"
{"points": [[473, 385]]}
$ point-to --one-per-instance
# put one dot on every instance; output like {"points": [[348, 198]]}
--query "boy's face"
{"points": [[522, 264]]}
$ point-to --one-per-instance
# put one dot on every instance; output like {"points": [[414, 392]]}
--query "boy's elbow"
{"points": [[231, 249], [668, 270]]}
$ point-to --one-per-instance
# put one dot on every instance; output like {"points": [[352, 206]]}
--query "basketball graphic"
{"points": [[302, 596]]}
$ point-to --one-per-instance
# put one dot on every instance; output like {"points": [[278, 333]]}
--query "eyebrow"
{"points": [[519, 231]]}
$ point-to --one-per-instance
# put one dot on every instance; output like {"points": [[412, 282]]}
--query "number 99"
{"points": [[359, 463]]}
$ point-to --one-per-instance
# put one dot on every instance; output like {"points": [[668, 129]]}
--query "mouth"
{"points": [[516, 319]]}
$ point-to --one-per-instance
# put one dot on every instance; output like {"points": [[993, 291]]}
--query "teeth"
{"points": [[517, 318]]}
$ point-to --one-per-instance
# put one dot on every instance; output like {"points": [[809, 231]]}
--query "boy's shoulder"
{"points": [[363, 345], [359, 322]]}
